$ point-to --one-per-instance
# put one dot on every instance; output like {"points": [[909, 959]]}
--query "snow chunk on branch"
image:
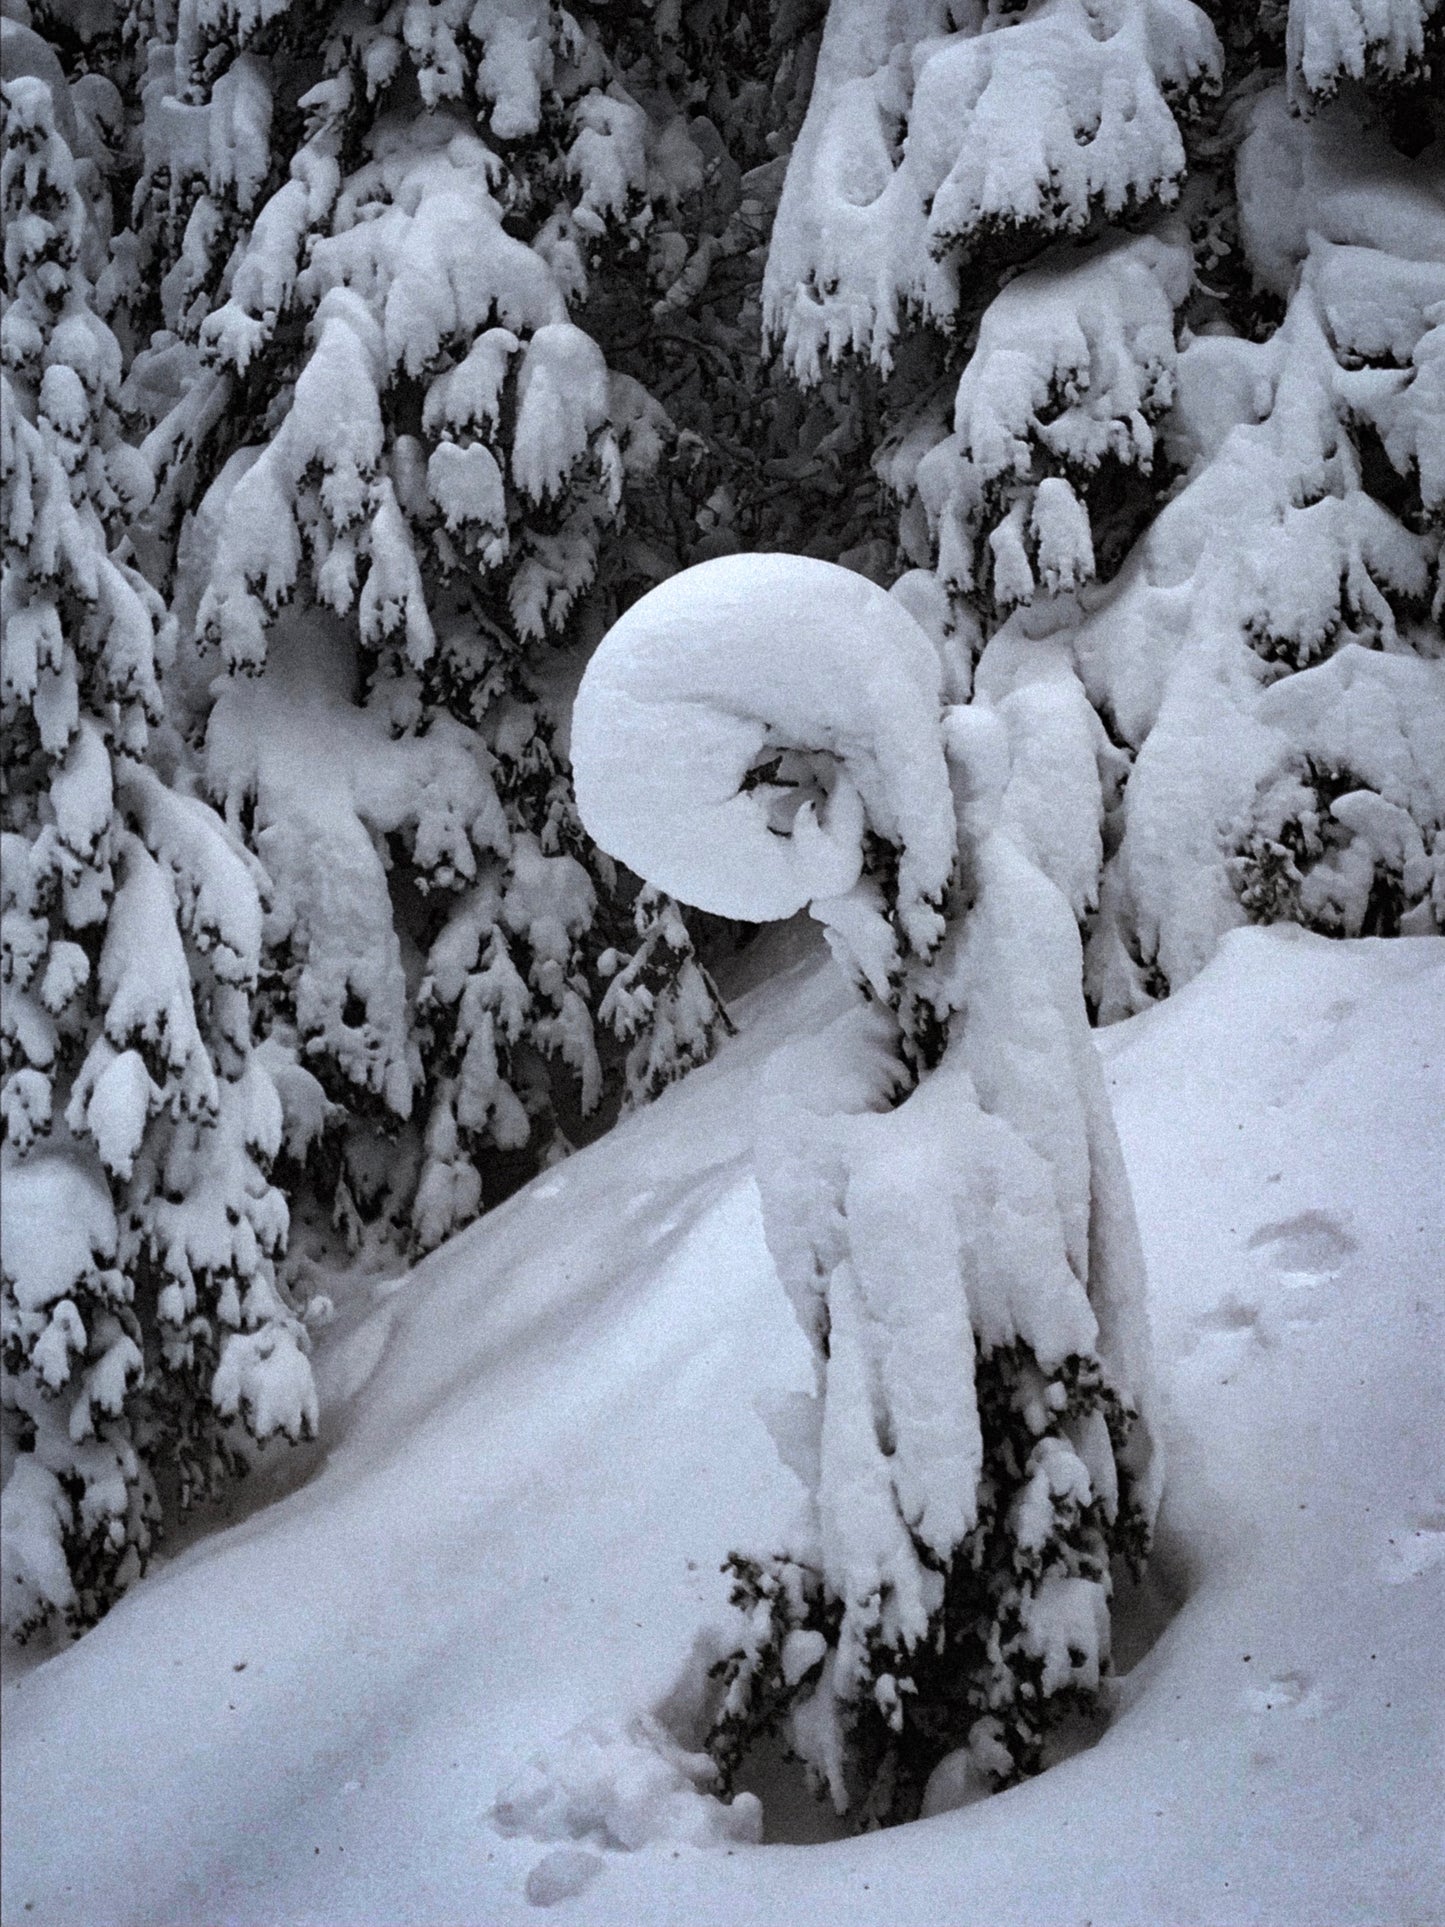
{"points": [[1073, 368], [562, 399], [747, 723], [59, 1229], [1383, 41]]}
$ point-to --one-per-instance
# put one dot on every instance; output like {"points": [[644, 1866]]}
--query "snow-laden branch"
{"points": [[1377, 41], [923, 145]]}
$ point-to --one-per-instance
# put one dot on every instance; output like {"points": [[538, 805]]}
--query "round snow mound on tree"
{"points": [[744, 724]]}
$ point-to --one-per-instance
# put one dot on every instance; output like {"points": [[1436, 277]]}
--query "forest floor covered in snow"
{"points": [[422, 1682]]}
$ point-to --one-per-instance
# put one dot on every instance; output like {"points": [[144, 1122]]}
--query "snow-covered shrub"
{"points": [[145, 1330], [942, 1190], [414, 446]]}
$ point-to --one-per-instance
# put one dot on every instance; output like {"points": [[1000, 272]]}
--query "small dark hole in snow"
{"points": [[793, 1815]]}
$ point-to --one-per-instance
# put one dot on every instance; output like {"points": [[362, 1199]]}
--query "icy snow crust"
{"points": [[514, 1536]]}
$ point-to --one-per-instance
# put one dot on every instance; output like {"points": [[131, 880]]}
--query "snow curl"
{"points": [[744, 726]]}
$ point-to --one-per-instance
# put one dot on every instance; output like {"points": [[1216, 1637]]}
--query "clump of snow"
{"points": [[1331, 41], [266, 1376], [561, 1874], [1061, 765], [741, 727], [33, 1566], [562, 400], [624, 1787], [325, 782], [1073, 366], [59, 1222]]}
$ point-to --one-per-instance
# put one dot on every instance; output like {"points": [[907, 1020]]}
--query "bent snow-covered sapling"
{"points": [[942, 1188]]}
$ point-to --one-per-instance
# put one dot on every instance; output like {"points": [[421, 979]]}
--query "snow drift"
{"points": [[516, 1532]]}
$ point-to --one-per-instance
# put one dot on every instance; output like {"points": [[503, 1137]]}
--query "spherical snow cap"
{"points": [[743, 724]]}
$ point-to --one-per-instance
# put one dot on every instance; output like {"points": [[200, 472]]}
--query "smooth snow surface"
{"points": [[536, 1450]]}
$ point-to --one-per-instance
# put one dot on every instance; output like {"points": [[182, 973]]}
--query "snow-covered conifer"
{"points": [[942, 1190], [1187, 473], [1272, 647], [144, 1328], [1009, 246], [418, 467]]}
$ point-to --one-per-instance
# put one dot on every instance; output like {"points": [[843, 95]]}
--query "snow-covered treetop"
{"points": [[923, 144], [744, 726]]}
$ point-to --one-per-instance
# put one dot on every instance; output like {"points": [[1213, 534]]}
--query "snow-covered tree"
{"points": [[942, 1189], [1272, 648], [145, 1331], [417, 466], [1159, 305], [1158, 314]]}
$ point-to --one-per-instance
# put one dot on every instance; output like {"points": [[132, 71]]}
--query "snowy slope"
{"points": [[515, 1528]]}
